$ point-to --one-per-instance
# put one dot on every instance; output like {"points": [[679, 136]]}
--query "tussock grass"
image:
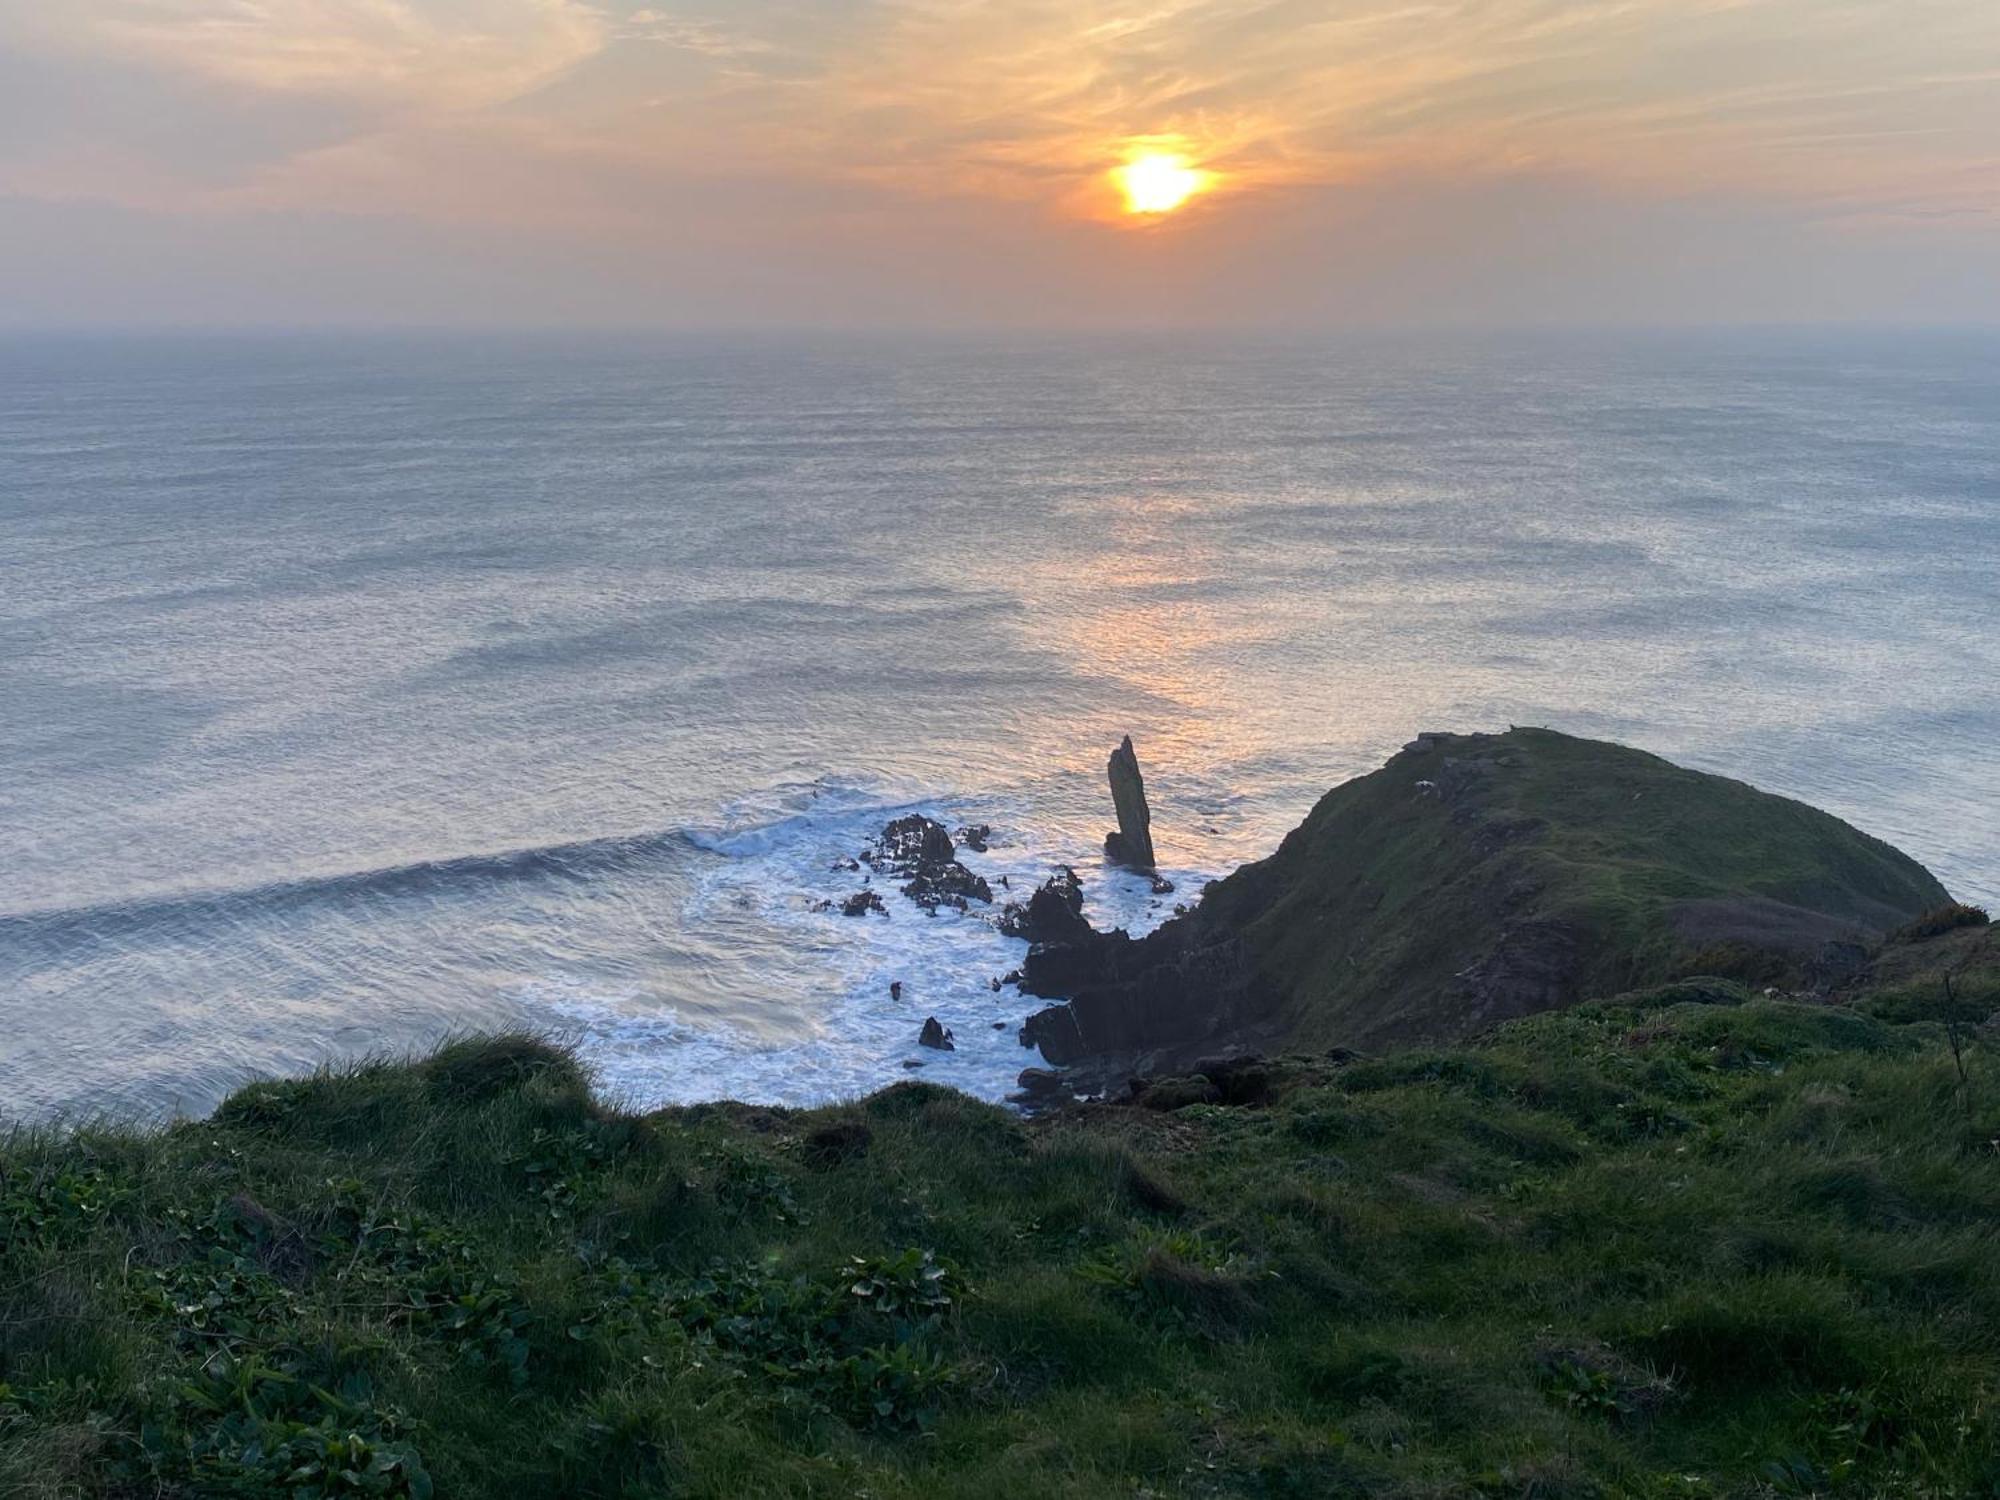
{"points": [[1685, 1243], [1939, 920]]}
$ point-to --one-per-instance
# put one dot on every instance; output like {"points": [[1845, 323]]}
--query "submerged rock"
{"points": [[861, 903], [1131, 843], [975, 836]]}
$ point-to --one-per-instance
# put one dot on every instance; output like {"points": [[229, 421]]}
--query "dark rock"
{"points": [[1176, 1093], [1244, 1081], [1528, 968], [1162, 886], [895, 989], [1012, 976], [851, 866], [994, 984], [860, 904], [1041, 1083], [911, 842], [999, 1025], [1172, 989], [1057, 970], [1054, 914], [976, 837], [953, 885], [913, 1062], [1066, 952], [1132, 843], [919, 851], [1119, 852], [935, 1035]]}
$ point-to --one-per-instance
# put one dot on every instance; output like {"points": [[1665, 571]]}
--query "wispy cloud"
{"points": [[1029, 99], [915, 127], [446, 54], [703, 37]]}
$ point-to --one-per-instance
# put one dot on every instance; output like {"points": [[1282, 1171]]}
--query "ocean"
{"points": [[361, 690]]}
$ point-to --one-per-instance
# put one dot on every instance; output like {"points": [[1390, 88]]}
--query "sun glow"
{"points": [[1158, 182]]}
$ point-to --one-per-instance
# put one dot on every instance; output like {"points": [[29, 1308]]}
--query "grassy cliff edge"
{"points": [[1683, 1243]]}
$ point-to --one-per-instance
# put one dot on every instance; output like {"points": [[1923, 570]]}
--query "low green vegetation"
{"points": [[1688, 1243], [1949, 917]]}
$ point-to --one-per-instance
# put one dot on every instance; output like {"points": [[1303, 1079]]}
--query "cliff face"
{"points": [[1477, 878]]}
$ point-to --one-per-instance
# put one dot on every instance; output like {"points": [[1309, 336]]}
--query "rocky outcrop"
{"points": [[936, 1035], [1053, 914], [918, 851], [1131, 843], [1171, 990]]}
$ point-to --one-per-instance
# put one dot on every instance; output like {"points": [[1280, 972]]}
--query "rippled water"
{"points": [[355, 691]]}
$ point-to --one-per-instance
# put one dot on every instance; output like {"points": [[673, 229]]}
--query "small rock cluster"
{"points": [[918, 851], [920, 854]]}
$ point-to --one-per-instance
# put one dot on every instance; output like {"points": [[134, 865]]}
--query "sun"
{"points": [[1158, 182]]}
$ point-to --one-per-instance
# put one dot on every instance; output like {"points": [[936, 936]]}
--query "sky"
{"points": [[951, 163]]}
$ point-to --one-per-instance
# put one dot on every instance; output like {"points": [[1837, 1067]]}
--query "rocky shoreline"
{"points": [[1475, 878]]}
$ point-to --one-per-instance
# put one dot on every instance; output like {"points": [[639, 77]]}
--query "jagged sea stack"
{"points": [[1132, 842]]}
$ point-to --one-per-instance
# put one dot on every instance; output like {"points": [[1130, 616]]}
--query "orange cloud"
{"points": [[1865, 109]]}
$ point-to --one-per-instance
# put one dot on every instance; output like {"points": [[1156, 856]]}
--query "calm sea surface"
{"points": [[355, 691]]}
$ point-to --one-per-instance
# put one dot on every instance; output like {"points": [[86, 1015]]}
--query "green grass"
{"points": [[1682, 1244]]}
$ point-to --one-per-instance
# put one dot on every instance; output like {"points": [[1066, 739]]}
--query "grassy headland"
{"points": [[1686, 1242], [1478, 878]]}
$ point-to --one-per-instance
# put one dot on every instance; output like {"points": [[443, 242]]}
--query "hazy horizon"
{"points": [[953, 164]]}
